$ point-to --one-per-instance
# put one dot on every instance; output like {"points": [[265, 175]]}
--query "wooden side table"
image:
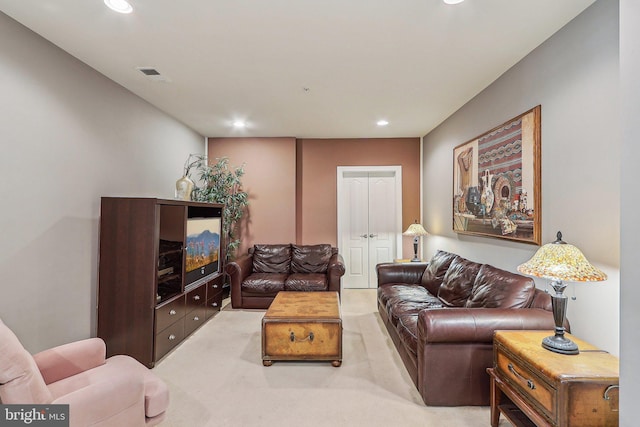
{"points": [[532, 386]]}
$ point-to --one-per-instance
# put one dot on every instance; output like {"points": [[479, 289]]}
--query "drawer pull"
{"points": [[196, 318], [172, 313], [214, 286], [293, 338], [530, 383], [172, 337], [606, 392], [215, 304], [196, 298]]}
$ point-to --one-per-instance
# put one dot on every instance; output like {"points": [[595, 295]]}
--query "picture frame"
{"points": [[497, 181]]}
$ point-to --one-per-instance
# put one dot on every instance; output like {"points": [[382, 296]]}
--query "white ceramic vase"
{"points": [[184, 187]]}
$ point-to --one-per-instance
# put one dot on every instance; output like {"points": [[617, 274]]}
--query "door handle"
{"points": [[372, 235], [363, 235]]}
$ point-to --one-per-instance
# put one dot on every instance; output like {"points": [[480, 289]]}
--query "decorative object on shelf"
{"points": [[559, 262], [218, 183], [416, 230], [490, 174], [184, 187]]}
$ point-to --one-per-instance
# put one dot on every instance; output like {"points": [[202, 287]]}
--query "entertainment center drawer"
{"points": [[214, 303], [170, 312], [196, 298], [194, 319], [214, 286], [169, 338]]}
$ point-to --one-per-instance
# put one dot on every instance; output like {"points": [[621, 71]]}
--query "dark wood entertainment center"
{"points": [[145, 306]]}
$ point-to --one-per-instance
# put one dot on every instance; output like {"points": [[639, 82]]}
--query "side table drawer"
{"points": [[532, 388]]}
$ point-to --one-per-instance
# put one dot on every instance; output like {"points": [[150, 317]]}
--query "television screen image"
{"points": [[202, 246]]}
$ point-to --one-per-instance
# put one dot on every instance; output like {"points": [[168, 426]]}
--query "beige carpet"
{"points": [[216, 379]]}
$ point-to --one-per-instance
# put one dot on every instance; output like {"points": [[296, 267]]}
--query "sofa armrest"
{"points": [[238, 270], [70, 359], [335, 271], [476, 325], [409, 273]]}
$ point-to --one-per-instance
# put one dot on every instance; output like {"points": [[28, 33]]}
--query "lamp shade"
{"points": [[561, 261], [415, 230]]}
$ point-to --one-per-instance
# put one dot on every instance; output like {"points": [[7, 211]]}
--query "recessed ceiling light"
{"points": [[453, 1], [382, 122], [239, 124], [120, 6]]}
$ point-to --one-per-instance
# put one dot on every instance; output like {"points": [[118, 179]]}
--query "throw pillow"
{"points": [[496, 288], [458, 282], [310, 258], [272, 259], [435, 271]]}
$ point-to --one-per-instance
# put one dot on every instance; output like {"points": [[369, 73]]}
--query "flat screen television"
{"points": [[202, 249]]}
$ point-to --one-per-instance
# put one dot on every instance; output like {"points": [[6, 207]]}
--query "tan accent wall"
{"points": [[270, 170], [318, 160], [292, 183]]}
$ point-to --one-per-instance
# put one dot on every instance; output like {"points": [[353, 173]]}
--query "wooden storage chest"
{"points": [[303, 326], [534, 386]]}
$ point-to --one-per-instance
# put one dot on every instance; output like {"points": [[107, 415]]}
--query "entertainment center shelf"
{"points": [[159, 273]]}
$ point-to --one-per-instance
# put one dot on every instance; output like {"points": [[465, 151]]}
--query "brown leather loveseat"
{"points": [[441, 317], [257, 277]]}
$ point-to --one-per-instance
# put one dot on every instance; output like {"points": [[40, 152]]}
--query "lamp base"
{"points": [[416, 259], [560, 344]]}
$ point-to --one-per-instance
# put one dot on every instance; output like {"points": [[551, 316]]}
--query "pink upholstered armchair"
{"points": [[118, 391]]}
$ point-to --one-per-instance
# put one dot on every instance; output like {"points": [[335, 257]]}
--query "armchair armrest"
{"points": [[238, 270], [409, 273], [476, 325], [335, 271], [70, 359]]}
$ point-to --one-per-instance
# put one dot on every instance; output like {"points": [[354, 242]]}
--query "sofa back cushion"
{"points": [[435, 271], [310, 258], [20, 379], [272, 259], [495, 288], [458, 282]]}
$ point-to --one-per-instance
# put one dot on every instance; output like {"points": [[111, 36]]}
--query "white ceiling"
{"points": [[411, 62]]}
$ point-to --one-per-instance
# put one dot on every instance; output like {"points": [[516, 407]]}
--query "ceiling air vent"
{"points": [[153, 74]]}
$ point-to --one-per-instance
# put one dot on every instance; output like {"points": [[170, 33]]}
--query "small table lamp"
{"points": [[416, 230], [560, 261]]}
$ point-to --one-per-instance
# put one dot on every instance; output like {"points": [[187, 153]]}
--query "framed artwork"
{"points": [[496, 182]]}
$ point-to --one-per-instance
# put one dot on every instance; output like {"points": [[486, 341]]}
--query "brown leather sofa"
{"points": [[441, 316], [257, 277]]}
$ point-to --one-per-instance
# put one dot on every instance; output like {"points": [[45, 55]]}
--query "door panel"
{"points": [[369, 214]]}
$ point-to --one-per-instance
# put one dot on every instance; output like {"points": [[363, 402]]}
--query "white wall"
{"points": [[574, 76], [68, 136], [630, 205]]}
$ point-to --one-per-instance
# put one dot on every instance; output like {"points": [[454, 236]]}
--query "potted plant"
{"points": [[219, 183]]}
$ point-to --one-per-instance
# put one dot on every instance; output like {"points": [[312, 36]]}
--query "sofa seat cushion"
{"points": [[263, 284], [407, 328], [403, 292], [496, 288], [272, 259], [458, 282], [310, 258], [306, 282], [398, 307]]}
